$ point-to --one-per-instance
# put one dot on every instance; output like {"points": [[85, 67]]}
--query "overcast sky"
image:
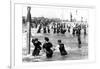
{"points": [[56, 12]]}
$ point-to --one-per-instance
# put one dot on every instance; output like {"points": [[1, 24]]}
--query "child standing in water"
{"points": [[63, 52]]}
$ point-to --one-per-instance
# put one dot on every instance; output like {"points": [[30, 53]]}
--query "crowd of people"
{"points": [[48, 47], [56, 28], [62, 28]]}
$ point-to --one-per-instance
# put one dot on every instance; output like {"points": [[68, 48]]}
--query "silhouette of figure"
{"points": [[37, 48], [47, 47], [63, 52]]}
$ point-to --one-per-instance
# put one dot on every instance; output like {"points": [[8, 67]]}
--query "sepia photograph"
{"points": [[54, 33]]}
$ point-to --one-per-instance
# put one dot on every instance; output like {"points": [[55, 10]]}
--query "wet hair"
{"points": [[59, 41], [46, 38], [36, 39], [33, 40]]}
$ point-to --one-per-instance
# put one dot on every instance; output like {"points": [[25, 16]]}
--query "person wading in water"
{"points": [[47, 47], [63, 52], [37, 48]]}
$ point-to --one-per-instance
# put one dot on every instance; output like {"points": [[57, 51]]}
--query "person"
{"points": [[84, 31], [73, 31], [48, 29], [54, 30], [79, 41], [37, 48], [58, 28], [79, 37], [63, 31], [39, 30], [44, 29], [69, 29], [47, 47], [63, 52]]}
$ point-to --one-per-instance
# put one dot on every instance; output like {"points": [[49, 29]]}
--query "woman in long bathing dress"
{"points": [[47, 47], [37, 48]]}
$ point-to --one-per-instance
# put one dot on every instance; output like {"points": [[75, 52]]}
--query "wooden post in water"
{"points": [[28, 28]]}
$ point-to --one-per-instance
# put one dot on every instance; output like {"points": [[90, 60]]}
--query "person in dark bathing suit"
{"points": [[47, 47], [44, 30], [78, 32], [37, 48], [39, 30], [63, 52]]}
